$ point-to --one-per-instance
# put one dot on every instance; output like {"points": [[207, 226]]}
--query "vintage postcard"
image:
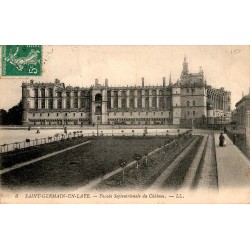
{"points": [[124, 124]]}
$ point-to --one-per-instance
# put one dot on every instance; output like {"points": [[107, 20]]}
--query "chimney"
{"points": [[106, 82], [96, 82], [164, 81], [142, 82]]}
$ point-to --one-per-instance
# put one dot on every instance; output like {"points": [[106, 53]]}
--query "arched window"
{"points": [[98, 98]]}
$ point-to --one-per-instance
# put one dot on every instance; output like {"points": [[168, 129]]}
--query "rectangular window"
{"points": [[43, 93], [74, 114], [56, 114], [187, 103], [48, 114], [193, 103], [68, 100], [66, 114], [76, 103], [187, 90], [193, 90], [188, 113], [43, 103], [50, 103], [34, 114], [193, 113], [36, 93], [50, 92], [59, 103], [81, 114], [68, 103], [36, 103], [41, 114]]}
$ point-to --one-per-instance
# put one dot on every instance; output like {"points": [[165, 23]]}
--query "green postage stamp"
{"points": [[22, 60]]}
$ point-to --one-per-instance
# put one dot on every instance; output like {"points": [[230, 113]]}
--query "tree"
{"points": [[146, 158], [3, 116], [137, 157], [122, 164], [14, 115]]}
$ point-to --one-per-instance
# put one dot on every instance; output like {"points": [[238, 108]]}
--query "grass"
{"points": [[146, 174], [175, 180], [26, 154], [77, 167]]}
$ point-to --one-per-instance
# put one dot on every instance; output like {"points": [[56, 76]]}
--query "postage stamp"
{"points": [[22, 60]]}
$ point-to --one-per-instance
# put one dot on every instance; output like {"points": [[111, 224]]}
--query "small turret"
{"points": [[170, 80], [106, 83], [185, 67], [164, 81]]}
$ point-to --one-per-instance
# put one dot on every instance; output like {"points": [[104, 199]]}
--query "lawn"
{"points": [[77, 167], [146, 174]]}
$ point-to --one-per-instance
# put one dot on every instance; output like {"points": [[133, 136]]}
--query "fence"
{"points": [[60, 136], [125, 133], [30, 143]]}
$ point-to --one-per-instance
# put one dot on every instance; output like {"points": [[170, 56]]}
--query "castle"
{"points": [[187, 101]]}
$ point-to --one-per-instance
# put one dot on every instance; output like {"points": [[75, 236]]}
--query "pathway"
{"points": [[232, 165]]}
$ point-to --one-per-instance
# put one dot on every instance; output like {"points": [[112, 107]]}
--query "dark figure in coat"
{"points": [[221, 138]]}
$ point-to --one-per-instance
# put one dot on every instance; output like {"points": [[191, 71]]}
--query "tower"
{"points": [[185, 67]]}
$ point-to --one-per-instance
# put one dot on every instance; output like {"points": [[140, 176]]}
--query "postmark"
{"points": [[21, 60]]}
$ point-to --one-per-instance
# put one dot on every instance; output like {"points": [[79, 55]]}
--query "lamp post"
{"points": [[97, 121], [221, 123]]}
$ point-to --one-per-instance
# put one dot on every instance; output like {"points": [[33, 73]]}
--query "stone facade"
{"points": [[243, 112], [189, 99]]}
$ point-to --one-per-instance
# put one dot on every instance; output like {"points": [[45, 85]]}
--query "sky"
{"points": [[223, 66]]}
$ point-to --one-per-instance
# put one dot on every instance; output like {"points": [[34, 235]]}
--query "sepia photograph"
{"points": [[124, 124]]}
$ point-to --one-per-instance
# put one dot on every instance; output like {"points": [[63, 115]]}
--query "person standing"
{"points": [[221, 139]]}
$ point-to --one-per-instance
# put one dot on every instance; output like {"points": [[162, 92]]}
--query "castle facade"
{"points": [[186, 101]]}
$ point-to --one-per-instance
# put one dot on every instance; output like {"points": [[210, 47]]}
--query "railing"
{"points": [[151, 133], [31, 143], [60, 136]]}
